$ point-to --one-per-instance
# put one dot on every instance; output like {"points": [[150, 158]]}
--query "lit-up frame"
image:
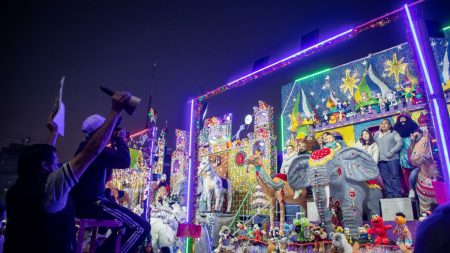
{"points": [[434, 92]]}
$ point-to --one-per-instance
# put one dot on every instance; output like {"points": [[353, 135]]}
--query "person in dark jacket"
{"points": [[40, 215], [89, 194]]}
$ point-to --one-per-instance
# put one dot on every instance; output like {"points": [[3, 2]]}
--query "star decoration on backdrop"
{"points": [[349, 82], [323, 100], [323, 87], [384, 75], [317, 106], [327, 77], [312, 93], [433, 43], [349, 97], [293, 99], [395, 67], [446, 43], [441, 63], [399, 47], [364, 62]]}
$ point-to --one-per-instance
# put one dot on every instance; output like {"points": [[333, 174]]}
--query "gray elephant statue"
{"points": [[343, 176]]}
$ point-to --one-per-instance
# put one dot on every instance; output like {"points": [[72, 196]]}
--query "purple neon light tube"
{"points": [[190, 190], [440, 122], [279, 64]]}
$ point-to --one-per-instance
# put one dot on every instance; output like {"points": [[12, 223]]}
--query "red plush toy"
{"points": [[379, 229]]}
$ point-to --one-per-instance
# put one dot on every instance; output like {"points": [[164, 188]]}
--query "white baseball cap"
{"points": [[92, 123]]}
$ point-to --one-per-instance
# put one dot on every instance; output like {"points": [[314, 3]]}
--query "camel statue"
{"points": [[276, 189]]}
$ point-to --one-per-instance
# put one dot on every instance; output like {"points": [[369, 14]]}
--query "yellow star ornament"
{"points": [[395, 67], [349, 82]]}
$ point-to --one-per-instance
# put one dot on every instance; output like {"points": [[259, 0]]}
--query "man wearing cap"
{"points": [[40, 213], [89, 194]]}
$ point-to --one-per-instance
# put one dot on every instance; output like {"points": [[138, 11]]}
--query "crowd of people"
{"points": [[42, 205], [390, 147]]}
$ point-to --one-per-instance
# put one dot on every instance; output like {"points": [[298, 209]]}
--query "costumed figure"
{"points": [[226, 241], [379, 229], [422, 158], [342, 175], [405, 126], [214, 186], [404, 235], [276, 189], [318, 236], [340, 244]]}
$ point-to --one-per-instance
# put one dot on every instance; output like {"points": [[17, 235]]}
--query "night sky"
{"points": [[197, 46]]}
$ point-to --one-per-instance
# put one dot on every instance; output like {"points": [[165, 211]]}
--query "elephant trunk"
{"points": [[321, 195]]}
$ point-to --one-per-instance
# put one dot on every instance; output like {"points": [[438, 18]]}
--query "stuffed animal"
{"points": [[287, 229], [318, 235], [379, 229], [301, 230], [226, 241], [340, 244], [363, 234], [250, 233], [242, 229], [348, 236], [339, 229], [304, 223], [257, 232], [404, 235]]}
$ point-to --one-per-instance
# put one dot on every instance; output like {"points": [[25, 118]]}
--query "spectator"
{"points": [[332, 143], [405, 126], [287, 159], [390, 143], [89, 194], [39, 212], [302, 148], [367, 143]]}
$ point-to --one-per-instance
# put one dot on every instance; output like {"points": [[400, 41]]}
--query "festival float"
{"points": [[226, 191]]}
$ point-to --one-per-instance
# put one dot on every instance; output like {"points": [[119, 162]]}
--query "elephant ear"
{"points": [[298, 173], [357, 164]]}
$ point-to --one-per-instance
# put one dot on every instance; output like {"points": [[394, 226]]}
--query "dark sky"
{"points": [[196, 45]]}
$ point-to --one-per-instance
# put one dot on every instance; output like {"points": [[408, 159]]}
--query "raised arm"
{"points": [[100, 138], [53, 128]]}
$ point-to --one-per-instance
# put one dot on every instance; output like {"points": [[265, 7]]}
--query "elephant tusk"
{"points": [[327, 194]]}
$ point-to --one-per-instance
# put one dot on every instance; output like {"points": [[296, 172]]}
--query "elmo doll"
{"points": [[379, 229]]}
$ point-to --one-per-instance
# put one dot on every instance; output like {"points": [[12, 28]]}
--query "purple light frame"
{"points": [[436, 101]]}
